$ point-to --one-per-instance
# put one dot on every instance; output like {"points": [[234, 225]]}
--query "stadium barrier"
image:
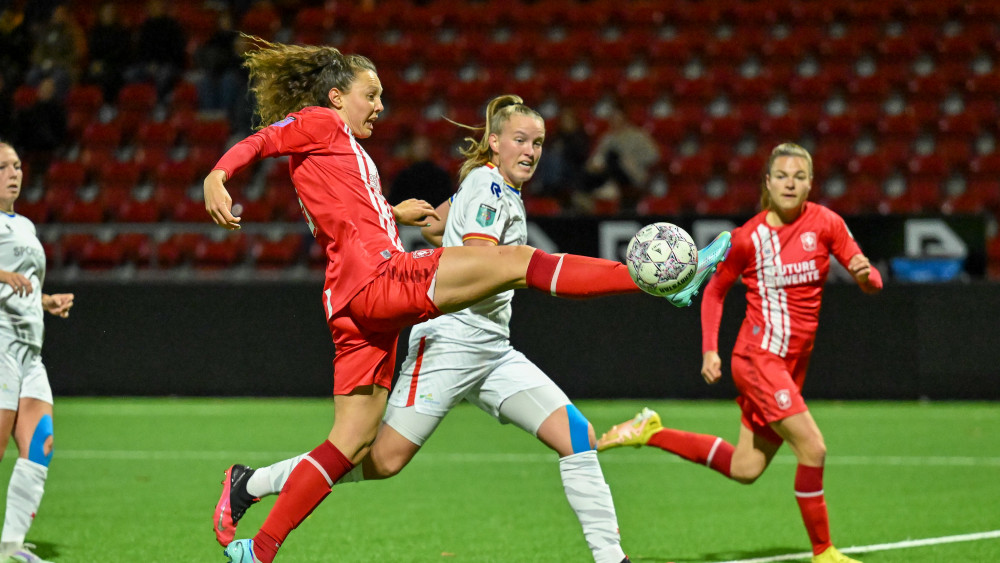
{"points": [[913, 341]]}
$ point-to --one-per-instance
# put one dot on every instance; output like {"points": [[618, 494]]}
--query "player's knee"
{"points": [[581, 433], [746, 472], [41, 448]]}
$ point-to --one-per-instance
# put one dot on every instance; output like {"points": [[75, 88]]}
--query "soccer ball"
{"points": [[662, 259]]}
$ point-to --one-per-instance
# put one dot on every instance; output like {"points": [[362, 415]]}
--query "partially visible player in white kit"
{"points": [[467, 355], [25, 395]]}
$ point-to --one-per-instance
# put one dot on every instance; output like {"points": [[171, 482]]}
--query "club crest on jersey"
{"points": [[486, 215], [783, 398], [808, 241], [283, 122], [422, 253]]}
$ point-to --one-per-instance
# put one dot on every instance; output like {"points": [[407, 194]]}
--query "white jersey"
{"points": [[21, 252], [484, 207]]}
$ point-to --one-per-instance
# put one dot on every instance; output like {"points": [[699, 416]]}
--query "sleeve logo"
{"points": [[486, 215], [283, 122]]}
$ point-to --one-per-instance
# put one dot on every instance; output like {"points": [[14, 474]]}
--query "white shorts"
{"points": [[444, 373], [22, 375]]}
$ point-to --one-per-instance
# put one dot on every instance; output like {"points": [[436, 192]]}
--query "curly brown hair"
{"points": [[498, 112], [287, 78]]}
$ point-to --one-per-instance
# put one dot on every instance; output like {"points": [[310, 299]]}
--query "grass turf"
{"points": [[137, 480]]}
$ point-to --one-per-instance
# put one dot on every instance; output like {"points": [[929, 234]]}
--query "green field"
{"points": [[137, 480]]}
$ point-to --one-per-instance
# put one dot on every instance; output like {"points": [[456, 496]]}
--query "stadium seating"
{"points": [[904, 74]]}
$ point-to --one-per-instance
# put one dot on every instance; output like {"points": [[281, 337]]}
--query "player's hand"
{"points": [[58, 304], [20, 284], [711, 367], [414, 212], [217, 201], [860, 268]]}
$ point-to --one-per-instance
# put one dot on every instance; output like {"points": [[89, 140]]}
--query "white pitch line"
{"points": [[879, 547], [544, 457]]}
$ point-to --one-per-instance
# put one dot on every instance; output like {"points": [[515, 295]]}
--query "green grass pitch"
{"points": [[137, 480]]}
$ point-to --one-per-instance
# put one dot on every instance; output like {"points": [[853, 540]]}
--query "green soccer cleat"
{"points": [[831, 555], [635, 432], [708, 259], [241, 551]]}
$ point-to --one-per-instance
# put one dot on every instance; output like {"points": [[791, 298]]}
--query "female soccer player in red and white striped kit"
{"points": [[782, 256], [320, 103]]}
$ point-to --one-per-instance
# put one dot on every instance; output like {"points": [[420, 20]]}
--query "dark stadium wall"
{"points": [[913, 341]]}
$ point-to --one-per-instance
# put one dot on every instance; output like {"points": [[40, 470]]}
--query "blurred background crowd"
{"points": [[653, 108]]}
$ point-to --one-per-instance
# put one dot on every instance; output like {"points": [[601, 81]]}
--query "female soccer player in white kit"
{"points": [[25, 395], [467, 354]]}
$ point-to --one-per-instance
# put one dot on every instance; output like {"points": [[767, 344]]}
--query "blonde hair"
{"points": [[287, 78], [784, 149], [498, 113]]}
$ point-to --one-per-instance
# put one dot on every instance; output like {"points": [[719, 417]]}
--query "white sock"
{"points": [[24, 494], [590, 497], [355, 475], [268, 480]]}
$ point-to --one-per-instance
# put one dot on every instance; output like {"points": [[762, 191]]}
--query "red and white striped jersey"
{"points": [[784, 269], [340, 192]]}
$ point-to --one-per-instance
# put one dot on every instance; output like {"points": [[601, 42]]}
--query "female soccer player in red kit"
{"points": [[782, 256], [320, 102]]}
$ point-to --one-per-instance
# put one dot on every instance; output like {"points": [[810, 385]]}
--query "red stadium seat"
{"points": [[65, 175], [83, 102], [135, 104], [76, 210], [666, 205], [101, 253], [137, 211], [24, 96], [137, 248], [209, 133], [177, 249], [99, 144], [184, 96], [262, 20], [271, 252], [220, 250], [540, 206]]}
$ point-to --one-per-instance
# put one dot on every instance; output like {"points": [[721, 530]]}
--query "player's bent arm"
{"points": [[868, 277], [18, 282], [413, 212], [218, 202], [711, 367], [433, 232], [58, 304]]}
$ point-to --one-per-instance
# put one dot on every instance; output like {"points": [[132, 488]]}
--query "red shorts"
{"points": [[770, 387], [366, 330]]}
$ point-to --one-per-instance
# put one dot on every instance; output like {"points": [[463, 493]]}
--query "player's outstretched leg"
{"points": [[708, 259], [241, 551], [233, 503], [831, 555], [635, 432]]}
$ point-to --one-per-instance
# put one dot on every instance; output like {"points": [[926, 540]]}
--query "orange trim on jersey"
{"points": [[492, 166], [416, 372], [480, 236]]}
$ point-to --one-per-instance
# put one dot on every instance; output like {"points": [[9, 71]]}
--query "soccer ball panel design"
{"points": [[662, 259]]}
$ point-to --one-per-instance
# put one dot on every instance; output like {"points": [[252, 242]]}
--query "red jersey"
{"points": [[784, 269], [340, 193]]}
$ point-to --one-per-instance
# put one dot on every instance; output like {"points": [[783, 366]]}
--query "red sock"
{"points": [[306, 487], [571, 275], [699, 448], [809, 495]]}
